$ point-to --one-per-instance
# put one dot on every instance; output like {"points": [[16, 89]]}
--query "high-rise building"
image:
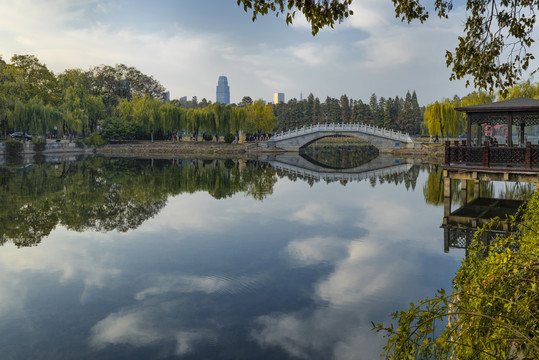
{"points": [[278, 98], [223, 91]]}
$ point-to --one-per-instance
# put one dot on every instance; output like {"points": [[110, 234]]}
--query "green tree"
{"points": [[238, 117], [491, 311], [260, 118], [345, 109], [37, 80], [443, 120], [317, 112]]}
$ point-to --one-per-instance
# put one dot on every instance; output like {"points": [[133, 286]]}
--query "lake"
{"points": [[106, 258]]}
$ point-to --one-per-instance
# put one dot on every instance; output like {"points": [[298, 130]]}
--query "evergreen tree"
{"points": [[345, 109], [373, 104], [317, 111], [308, 110], [379, 115]]}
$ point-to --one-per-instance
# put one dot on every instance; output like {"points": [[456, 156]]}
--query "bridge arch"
{"points": [[383, 139]]}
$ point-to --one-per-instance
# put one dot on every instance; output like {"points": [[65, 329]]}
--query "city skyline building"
{"points": [[223, 91], [278, 98]]}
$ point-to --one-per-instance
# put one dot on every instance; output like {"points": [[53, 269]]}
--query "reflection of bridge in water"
{"points": [[381, 166]]}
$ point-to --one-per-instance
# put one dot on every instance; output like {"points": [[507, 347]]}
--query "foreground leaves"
{"points": [[492, 311]]}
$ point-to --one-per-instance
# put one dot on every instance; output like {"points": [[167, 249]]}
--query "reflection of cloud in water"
{"points": [[140, 326], [314, 212], [12, 294], [83, 262], [326, 333], [153, 321], [316, 250], [190, 283], [339, 327], [370, 270]]}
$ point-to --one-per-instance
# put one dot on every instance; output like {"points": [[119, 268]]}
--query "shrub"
{"points": [[207, 137], [95, 139], [79, 143], [229, 138], [13, 147], [39, 144], [117, 129]]}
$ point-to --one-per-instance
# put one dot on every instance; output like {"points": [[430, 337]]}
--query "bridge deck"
{"points": [[338, 127]]}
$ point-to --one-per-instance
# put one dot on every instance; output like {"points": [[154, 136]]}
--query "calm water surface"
{"points": [[191, 259]]}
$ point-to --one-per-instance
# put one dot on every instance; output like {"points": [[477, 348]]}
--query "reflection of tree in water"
{"points": [[433, 189], [341, 156], [408, 178], [517, 191], [105, 194]]}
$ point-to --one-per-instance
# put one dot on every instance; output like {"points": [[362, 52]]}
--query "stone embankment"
{"points": [[183, 148], [430, 151]]}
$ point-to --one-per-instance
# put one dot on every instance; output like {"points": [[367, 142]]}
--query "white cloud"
{"points": [[314, 55], [389, 57]]}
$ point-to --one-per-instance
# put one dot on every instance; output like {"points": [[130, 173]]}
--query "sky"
{"points": [[187, 44]]}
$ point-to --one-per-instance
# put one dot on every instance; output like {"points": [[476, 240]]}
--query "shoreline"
{"points": [[203, 149]]}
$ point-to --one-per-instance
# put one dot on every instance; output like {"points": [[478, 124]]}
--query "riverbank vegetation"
{"points": [[121, 103], [492, 310], [117, 103]]}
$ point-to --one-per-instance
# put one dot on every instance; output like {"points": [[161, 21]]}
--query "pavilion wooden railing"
{"points": [[489, 156]]}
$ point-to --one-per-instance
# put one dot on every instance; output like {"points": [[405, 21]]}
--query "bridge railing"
{"points": [[339, 127]]}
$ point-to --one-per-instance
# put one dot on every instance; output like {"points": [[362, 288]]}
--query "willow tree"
{"points": [[147, 113], [221, 119], [173, 118], [260, 118], [442, 119], [238, 117], [34, 117], [194, 118], [525, 89]]}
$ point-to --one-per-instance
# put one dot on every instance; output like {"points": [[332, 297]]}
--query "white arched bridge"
{"points": [[382, 138]]}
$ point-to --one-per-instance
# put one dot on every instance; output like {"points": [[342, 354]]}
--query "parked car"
{"points": [[18, 135]]}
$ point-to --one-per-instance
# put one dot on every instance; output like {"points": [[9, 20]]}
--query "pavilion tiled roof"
{"points": [[513, 105]]}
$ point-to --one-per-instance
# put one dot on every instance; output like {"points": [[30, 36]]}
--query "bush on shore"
{"points": [[492, 311]]}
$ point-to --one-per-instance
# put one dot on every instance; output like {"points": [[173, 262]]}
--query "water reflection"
{"points": [[214, 273], [479, 203], [105, 194], [341, 156]]}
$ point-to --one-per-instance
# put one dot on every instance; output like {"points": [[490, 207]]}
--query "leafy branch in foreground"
{"points": [[493, 309], [495, 48]]}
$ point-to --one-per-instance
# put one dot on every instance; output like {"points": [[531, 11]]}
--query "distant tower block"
{"points": [[223, 91], [278, 98]]}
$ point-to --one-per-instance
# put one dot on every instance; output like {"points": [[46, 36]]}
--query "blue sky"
{"points": [[188, 44]]}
